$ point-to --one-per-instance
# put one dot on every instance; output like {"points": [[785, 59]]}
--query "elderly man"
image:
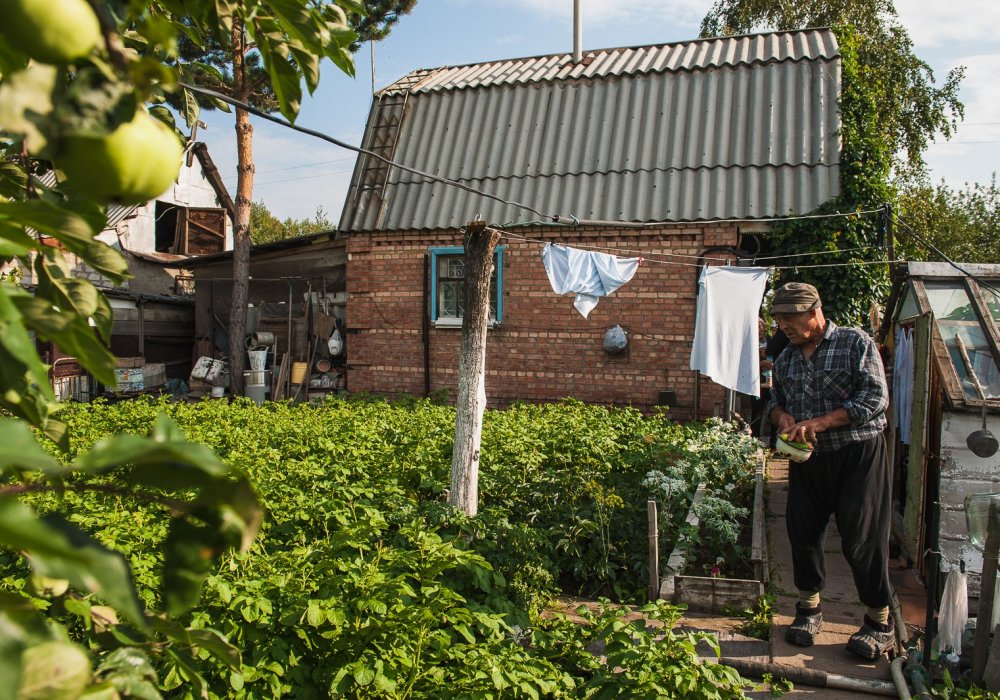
{"points": [[830, 391]]}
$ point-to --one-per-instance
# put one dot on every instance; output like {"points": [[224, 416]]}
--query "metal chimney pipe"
{"points": [[577, 33]]}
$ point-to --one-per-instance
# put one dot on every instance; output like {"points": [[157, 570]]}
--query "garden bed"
{"points": [[718, 593]]}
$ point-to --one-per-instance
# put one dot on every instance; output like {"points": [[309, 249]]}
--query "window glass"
{"points": [[949, 301], [957, 319], [992, 299], [450, 286]]}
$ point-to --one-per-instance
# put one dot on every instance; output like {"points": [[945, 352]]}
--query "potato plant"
{"points": [[363, 582]]}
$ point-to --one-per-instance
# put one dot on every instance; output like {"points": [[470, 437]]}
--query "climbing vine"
{"points": [[865, 163]]}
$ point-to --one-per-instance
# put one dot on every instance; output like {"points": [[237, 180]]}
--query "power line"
{"points": [[356, 149], [292, 167]]}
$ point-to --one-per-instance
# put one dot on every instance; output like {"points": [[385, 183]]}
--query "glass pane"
{"points": [[980, 358], [447, 300], [992, 299], [909, 308], [950, 302]]}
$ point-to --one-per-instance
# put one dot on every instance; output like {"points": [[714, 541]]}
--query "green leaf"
{"points": [[363, 674], [218, 646], [51, 220], [55, 670], [314, 616], [72, 332], [285, 78], [25, 99], [59, 549], [189, 554], [18, 448], [12, 646]]}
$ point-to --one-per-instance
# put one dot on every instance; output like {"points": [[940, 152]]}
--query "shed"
{"points": [[296, 296], [672, 152], [950, 315]]}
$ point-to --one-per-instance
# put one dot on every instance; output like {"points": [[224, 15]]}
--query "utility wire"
{"points": [[655, 259], [356, 149]]}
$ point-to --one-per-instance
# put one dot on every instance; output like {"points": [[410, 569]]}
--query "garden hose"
{"points": [[812, 677]]}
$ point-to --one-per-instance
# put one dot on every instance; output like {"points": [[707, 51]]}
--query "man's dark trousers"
{"points": [[851, 483]]}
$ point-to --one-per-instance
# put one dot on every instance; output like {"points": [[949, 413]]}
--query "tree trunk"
{"points": [[480, 243], [241, 225]]}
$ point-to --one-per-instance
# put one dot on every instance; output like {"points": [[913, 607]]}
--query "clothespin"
{"points": [[640, 260], [961, 566]]}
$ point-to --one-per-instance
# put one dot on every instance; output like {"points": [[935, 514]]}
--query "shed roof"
{"points": [[738, 127]]}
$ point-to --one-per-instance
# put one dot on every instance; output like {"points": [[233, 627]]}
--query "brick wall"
{"points": [[544, 350]]}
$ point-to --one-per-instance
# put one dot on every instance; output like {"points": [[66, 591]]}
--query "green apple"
{"points": [[797, 445], [133, 164], [53, 671], [50, 31]]}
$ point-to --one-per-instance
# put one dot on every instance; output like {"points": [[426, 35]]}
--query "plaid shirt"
{"points": [[845, 371]]}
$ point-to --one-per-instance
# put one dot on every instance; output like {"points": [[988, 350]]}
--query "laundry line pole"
{"points": [[480, 242]]}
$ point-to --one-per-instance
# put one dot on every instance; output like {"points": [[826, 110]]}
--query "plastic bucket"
{"points": [[299, 372], [258, 358], [218, 392]]}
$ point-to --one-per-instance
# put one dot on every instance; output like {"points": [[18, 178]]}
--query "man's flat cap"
{"points": [[794, 298]]}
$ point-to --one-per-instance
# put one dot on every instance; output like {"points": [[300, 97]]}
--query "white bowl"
{"points": [[794, 454]]}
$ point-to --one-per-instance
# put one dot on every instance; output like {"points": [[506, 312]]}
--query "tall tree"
{"points": [[963, 223], [266, 227], [304, 32], [912, 109]]}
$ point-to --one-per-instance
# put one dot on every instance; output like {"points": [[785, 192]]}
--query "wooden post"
{"points": [[654, 550], [480, 243], [991, 554]]}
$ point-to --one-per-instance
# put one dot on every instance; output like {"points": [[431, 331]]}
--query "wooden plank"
{"points": [[675, 562], [654, 550], [716, 595], [758, 538]]}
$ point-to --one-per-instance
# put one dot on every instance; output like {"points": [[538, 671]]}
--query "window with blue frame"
{"points": [[448, 286]]}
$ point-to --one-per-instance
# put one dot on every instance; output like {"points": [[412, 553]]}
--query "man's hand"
{"points": [[806, 430], [785, 422]]}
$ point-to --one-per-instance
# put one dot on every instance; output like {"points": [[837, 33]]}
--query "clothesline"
{"points": [[645, 258]]}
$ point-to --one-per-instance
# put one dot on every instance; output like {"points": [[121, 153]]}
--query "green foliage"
{"points": [[948, 689], [364, 582], [266, 227], [865, 162], [757, 620], [963, 223]]}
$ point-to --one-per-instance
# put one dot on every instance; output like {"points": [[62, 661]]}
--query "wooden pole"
{"points": [[480, 243], [991, 555], [654, 550]]}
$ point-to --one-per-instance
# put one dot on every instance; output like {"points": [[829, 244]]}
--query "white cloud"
{"points": [[936, 23]]}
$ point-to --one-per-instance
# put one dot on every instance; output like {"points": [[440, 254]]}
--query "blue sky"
{"points": [[297, 173]]}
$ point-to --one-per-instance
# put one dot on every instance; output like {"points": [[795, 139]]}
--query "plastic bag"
{"points": [[615, 340], [954, 612], [336, 343]]}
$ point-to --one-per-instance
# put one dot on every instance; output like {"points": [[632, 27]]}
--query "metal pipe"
{"points": [[577, 33], [916, 673], [811, 677], [896, 672]]}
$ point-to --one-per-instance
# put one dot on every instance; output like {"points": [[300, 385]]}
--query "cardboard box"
{"points": [[129, 362], [129, 379], [154, 374]]}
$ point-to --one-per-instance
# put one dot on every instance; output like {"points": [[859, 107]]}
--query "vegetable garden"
{"points": [[363, 582]]}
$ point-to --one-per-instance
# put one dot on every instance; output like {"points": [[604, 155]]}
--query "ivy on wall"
{"points": [[865, 162]]}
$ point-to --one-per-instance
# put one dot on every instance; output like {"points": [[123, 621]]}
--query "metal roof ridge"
{"points": [[566, 69]]}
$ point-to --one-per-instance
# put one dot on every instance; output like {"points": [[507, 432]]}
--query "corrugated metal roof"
{"points": [[745, 127], [698, 54]]}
